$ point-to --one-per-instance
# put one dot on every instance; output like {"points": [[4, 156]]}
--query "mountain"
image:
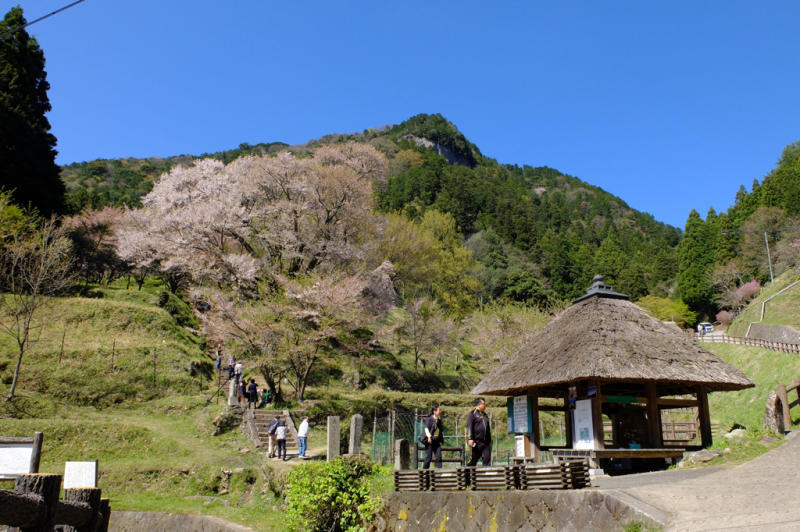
{"points": [[540, 234]]}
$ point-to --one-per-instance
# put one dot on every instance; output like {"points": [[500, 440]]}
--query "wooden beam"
{"points": [[665, 402], [568, 422], [705, 417], [597, 418], [653, 416]]}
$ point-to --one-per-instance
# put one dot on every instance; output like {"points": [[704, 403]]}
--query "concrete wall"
{"points": [[163, 522], [775, 333], [499, 511]]}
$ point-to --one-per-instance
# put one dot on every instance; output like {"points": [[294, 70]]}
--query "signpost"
{"points": [[583, 433]]}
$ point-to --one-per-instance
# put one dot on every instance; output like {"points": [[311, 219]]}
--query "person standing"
{"points": [[271, 429], [252, 394], [280, 436], [480, 435], [237, 372], [231, 366], [218, 361], [435, 438], [302, 436]]}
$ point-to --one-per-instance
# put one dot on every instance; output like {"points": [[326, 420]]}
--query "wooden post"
{"points": [[532, 445], [597, 418], [90, 497], [784, 397], [37, 452], [105, 515], [568, 422], [705, 417], [653, 416], [48, 488], [796, 384]]}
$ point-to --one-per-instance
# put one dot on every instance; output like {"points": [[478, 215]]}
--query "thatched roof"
{"points": [[610, 339]]}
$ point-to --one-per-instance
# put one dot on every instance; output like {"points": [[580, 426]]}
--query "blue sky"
{"points": [[669, 105]]}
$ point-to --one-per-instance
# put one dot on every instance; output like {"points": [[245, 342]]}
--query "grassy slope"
{"points": [[783, 310]]}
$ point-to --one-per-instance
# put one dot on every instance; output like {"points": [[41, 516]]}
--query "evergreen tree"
{"points": [[695, 257], [27, 149]]}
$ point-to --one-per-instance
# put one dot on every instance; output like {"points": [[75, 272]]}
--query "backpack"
{"points": [[273, 426]]}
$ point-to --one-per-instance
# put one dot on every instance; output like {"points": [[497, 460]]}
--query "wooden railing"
{"points": [[754, 342], [34, 505], [783, 395]]}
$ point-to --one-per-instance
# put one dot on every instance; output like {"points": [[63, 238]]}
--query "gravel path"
{"points": [[763, 494]]}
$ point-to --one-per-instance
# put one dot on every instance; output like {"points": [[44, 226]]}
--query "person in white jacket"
{"points": [[302, 435]]}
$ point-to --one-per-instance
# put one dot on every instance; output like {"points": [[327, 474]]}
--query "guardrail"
{"points": [[783, 395], [754, 342], [34, 505]]}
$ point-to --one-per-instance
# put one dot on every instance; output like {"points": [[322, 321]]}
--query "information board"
{"points": [[15, 459], [519, 415], [583, 429], [80, 475]]}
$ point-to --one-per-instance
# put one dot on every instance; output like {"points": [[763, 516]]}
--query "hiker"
{"points": [[231, 366], [242, 390], [252, 394], [218, 361], [480, 435], [280, 437], [237, 371], [434, 437], [271, 428], [302, 436]]}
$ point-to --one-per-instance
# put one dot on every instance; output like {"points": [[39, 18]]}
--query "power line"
{"points": [[11, 32]]}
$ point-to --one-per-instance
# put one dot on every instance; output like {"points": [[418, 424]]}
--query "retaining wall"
{"points": [[587, 509], [164, 522], [774, 333]]}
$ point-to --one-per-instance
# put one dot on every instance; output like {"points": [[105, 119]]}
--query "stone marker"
{"points": [[402, 454], [333, 437], [356, 430], [233, 394], [773, 414]]}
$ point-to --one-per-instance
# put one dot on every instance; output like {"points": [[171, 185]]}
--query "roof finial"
{"points": [[601, 289]]}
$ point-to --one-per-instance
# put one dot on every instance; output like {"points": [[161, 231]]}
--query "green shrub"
{"points": [[178, 309], [331, 496]]}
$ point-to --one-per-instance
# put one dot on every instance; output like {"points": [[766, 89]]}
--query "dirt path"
{"points": [[763, 494]]}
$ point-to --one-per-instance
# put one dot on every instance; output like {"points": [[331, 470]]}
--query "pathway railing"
{"points": [[754, 342], [783, 395], [34, 504]]}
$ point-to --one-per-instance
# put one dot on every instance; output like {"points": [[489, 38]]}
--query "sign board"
{"points": [[520, 416], [519, 446], [583, 428], [15, 459], [80, 475]]}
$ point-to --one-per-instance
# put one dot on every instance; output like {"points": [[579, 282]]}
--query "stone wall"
{"points": [[164, 522], [774, 333], [499, 511]]}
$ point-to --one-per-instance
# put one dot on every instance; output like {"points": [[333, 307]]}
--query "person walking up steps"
{"points": [[280, 436], [271, 428], [252, 394], [435, 437], [302, 436]]}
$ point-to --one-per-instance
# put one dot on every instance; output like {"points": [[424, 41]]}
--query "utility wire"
{"points": [[10, 32]]}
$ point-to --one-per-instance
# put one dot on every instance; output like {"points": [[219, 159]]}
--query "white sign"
{"points": [[80, 475], [519, 442], [521, 414], [582, 427], [15, 459]]}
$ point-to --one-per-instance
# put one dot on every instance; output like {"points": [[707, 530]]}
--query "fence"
{"points": [[34, 505], [783, 395], [754, 342]]}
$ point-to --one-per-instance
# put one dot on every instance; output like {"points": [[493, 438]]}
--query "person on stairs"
{"points": [[280, 436], [271, 428]]}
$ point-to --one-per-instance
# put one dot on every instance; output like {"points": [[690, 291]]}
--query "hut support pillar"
{"points": [[597, 418], [567, 423], [705, 417], [653, 416], [532, 442]]}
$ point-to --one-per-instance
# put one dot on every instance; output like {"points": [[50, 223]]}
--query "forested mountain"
{"points": [[722, 257], [540, 235]]}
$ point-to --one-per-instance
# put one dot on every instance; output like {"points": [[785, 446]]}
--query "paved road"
{"points": [[763, 494]]}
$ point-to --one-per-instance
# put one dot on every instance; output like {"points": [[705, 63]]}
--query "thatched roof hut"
{"points": [[607, 354], [612, 340]]}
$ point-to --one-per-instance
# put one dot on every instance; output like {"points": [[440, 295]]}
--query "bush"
{"points": [[724, 317], [331, 496], [178, 309]]}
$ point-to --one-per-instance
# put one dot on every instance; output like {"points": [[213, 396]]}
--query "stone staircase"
{"points": [[259, 420]]}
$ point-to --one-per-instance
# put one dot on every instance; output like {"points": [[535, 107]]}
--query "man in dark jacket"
{"points": [[479, 434], [434, 438]]}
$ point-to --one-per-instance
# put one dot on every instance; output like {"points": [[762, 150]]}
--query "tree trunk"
{"points": [[16, 372]]}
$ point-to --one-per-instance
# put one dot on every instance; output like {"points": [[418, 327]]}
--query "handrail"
{"points": [[753, 342]]}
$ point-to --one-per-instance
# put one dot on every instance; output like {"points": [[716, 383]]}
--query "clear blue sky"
{"points": [[669, 105]]}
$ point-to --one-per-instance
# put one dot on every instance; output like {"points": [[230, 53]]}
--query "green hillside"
{"points": [[782, 310]]}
